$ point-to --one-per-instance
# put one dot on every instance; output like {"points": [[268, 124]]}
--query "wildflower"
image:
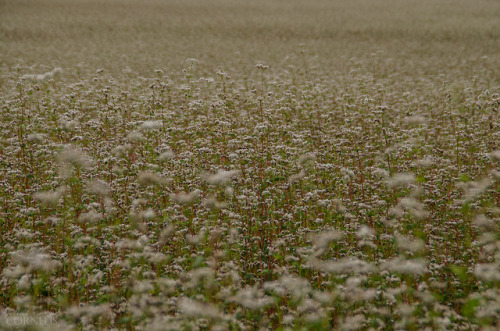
{"points": [[185, 198], [91, 217], [91, 312], [229, 191], [354, 322], [98, 188], [50, 198], [126, 244], [121, 150], [472, 190], [495, 155], [136, 137], [414, 207], [298, 287], [483, 222], [166, 155], [234, 236], [150, 125], [196, 239], [166, 233], [199, 276], [495, 174], [192, 308], [401, 179], [35, 260], [261, 66], [142, 286], [347, 174], [380, 173], [424, 163], [69, 125], [306, 158], [366, 243], [45, 76], [148, 214], [147, 178], [252, 298], [365, 232], [25, 282], [411, 267], [96, 277], [338, 206], [346, 266], [222, 177], [74, 156], [297, 177], [325, 238], [415, 119], [409, 244], [35, 138], [489, 272], [52, 220], [212, 203]]}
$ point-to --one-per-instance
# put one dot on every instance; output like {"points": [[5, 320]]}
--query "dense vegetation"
{"points": [[223, 164]]}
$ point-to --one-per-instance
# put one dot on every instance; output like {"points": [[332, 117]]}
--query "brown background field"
{"points": [[410, 37]]}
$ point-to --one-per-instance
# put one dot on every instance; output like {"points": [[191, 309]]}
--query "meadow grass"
{"points": [[214, 165]]}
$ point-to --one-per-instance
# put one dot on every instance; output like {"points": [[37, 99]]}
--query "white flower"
{"points": [[185, 198], [135, 136], [74, 156], [365, 232], [411, 267], [415, 120], [35, 260], [325, 238], [488, 272], [150, 125], [147, 178], [306, 157], [495, 155], [166, 155], [252, 298], [296, 177], [192, 308], [401, 179], [50, 198], [346, 266], [424, 163], [222, 177], [91, 217], [409, 244]]}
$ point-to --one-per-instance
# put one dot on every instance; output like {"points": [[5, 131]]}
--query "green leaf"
{"points": [[198, 262], [421, 179], [460, 272], [469, 308]]}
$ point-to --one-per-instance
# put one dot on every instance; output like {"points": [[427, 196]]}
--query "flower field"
{"points": [[249, 165]]}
